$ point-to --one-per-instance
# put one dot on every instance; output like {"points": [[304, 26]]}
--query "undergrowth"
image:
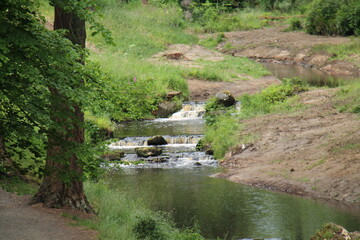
{"points": [[120, 217]]}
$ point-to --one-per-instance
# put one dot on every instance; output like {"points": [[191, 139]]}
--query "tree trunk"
{"points": [[62, 184]]}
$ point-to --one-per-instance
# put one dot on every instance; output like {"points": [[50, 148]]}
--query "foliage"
{"points": [[334, 17], [34, 60], [18, 185], [295, 25], [121, 217], [222, 134], [133, 85]]}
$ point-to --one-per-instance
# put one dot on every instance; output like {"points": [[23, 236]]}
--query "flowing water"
{"points": [[178, 182]]}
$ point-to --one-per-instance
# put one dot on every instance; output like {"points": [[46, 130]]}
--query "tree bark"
{"points": [[62, 184], [5, 161]]}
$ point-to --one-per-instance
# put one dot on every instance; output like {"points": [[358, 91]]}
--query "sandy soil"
{"points": [[18, 221], [313, 152]]}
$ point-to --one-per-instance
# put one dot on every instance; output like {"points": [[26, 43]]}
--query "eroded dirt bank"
{"points": [[314, 152], [275, 45]]}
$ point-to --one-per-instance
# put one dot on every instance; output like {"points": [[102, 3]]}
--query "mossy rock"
{"points": [[225, 98], [156, 140], [113, 156], [332, 232], [166, 108], [148, 151]]}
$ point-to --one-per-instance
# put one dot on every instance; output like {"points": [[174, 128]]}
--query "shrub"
{"points": [[348, 18], [321, 19], [334, 17]]}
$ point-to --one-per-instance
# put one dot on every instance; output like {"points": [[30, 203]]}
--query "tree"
{"points": [[42, 89], [62, 184]]}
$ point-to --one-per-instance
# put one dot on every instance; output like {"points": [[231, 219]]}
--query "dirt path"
{"points": [[18, 221]]}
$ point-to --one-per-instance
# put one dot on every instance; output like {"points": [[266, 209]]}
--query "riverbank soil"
{"points": [[275, 45], [313, 152], [18, 220]]}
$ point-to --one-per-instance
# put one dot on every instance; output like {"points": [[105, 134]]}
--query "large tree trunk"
{"points": [[62, 184]]}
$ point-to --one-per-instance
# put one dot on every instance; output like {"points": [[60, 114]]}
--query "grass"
{"points": [[340, 51], [121, 217], [230, 69], [348, 98], [315, 164]]}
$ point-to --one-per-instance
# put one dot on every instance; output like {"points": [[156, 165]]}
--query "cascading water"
{"points": [[180, 150]]}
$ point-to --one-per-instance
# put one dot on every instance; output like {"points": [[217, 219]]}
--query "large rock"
{"points": [[148, 151], [156, 140], [225, 98], [165, 109]]}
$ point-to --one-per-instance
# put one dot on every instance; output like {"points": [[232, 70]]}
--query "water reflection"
{"points": [[313, 76], [230, 210]]}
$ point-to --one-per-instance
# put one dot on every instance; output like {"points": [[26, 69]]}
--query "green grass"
{"points": [[340, 51], [121, 217], [348, 98], [230, 69], [315, 164]]}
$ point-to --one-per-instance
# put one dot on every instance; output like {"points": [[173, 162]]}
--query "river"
{"points": [[179, 182]]}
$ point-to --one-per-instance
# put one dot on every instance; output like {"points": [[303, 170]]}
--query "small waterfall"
{"points": [[190, 110], [180, 150]]}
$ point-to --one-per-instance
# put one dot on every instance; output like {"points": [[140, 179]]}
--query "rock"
{"points": [[171, 95], [112, 156], [336, 232], [165, 109], [159, 159], [197, 164], [209, 152], [225, 98], [156, 140], [148, 151]]}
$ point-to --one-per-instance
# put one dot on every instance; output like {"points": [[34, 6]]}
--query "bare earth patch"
{"points": [[314, 152], [18, 220], [274, 45]]}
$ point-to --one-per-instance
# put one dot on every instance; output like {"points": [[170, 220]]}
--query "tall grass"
{"points": [[121, 217]]}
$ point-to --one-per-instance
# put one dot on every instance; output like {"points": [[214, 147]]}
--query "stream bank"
{"points": [[276, 46]]}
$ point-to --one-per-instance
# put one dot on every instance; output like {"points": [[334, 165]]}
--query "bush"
{"points": [[348, 18], [321, 19], [334, 17]]}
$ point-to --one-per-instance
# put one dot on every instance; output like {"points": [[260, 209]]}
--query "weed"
{"points": [[315, 164]]}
